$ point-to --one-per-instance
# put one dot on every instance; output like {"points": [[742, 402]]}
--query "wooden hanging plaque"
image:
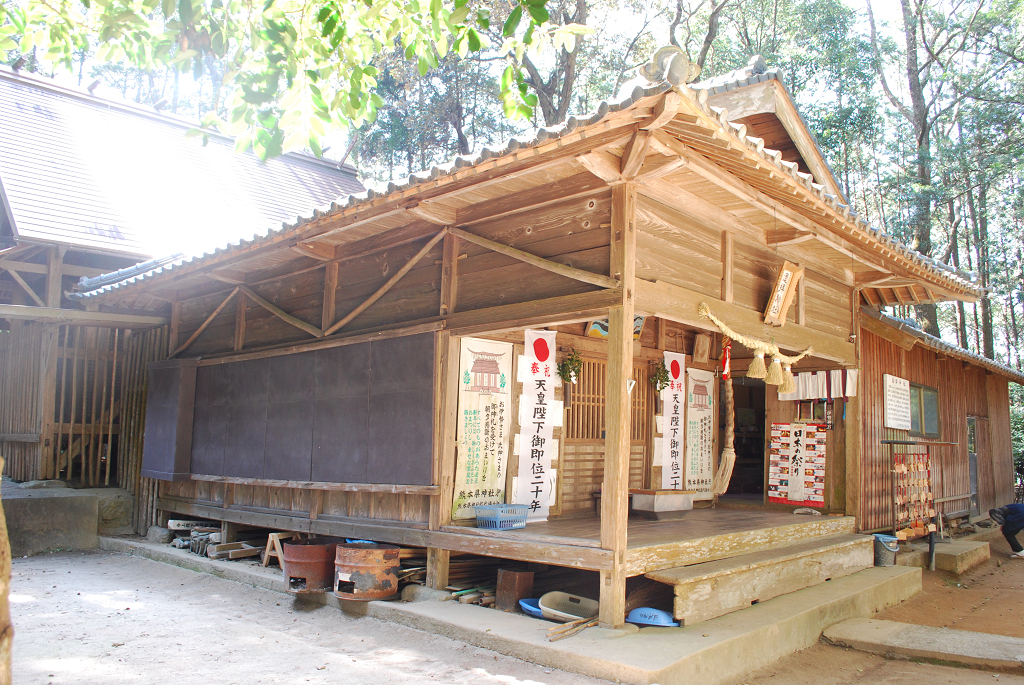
{"points": [[782, 294]]}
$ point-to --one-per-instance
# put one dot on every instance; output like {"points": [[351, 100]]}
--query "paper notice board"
{"points": [[796, 464]]}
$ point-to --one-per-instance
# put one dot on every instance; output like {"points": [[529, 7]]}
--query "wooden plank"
{"points": [[66, 269], [104, 319], [175, 331], [281, 314], [20, 437], [445, 452], [604, 165], [547, 312], [391, 282], [203, 326], [618, 414], [539, 262], [320, 251], [25, 286], [664, 111], [54, 273], [680, 304], [315, 485], [433, 212]]}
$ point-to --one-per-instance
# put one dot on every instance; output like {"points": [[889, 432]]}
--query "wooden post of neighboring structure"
{"points": [[615, 489], [445, 448], [854, 456]]}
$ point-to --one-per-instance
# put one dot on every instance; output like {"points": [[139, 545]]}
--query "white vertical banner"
{"points": [[797, 457], [485, 424], [700, 430], [673, 398], [537, 421]]}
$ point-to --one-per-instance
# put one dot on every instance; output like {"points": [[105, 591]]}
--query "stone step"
{"points": [[705, 591], [956, 556], [908, 641]]}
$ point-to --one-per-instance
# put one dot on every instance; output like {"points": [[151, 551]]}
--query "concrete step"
{"points": [[908, 641], [956, 556], [705, 591]]}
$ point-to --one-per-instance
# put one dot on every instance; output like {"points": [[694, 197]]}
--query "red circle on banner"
{"points": [[540, 349], [675, 369]]}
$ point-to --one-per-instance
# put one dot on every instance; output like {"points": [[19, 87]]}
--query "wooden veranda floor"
{"points": [[702, 535]]}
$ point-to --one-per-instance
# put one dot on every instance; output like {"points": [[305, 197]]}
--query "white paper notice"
{"points": [[897, 402], [700, 429], [674, 402]]}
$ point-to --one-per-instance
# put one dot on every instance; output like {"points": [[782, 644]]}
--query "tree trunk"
{"points": [[922, 208]]}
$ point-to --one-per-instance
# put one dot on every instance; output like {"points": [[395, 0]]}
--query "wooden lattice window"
{"points": [[585, 416]]}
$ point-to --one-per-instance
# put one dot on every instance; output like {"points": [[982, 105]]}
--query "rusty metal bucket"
{"points": [[309, 564], [366, 571]]}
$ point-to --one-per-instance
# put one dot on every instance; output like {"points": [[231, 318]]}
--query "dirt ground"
{"points": [[108, 618], [989, 599]]}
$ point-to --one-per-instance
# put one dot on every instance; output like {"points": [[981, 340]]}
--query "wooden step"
{"points": [[704, 591]]}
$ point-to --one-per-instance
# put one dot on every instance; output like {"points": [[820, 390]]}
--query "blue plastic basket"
{"points": [[501, 516], [531, 607]]}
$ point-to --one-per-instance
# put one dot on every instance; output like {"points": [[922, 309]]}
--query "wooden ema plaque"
{"points": [[913, 499], [782, 294]]}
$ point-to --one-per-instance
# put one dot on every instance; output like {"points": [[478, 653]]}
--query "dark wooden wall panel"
{"points": [[167, 450], [997, 389]]}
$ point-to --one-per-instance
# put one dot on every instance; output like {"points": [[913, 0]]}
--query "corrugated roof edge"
{"points": [[146, 112], [940, 270], [940, 345]]}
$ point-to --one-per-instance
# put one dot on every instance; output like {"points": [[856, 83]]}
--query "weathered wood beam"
{"points": [[445, 451], [659, 166], [175, 327], [229, 276], [321, 251], [680, 304], [539, 262], [67, 269], [450, 274], [282, 314], [604, 165], [240, 306], [728, 253], [54, 274], [330, 295], [25, 286], [635, 153], [203, 326], [777, 237], [432, 212], [617, 411], [390, 283], [801, 303], [665, 111], [547, 312], [322, 486], [696, 208]]}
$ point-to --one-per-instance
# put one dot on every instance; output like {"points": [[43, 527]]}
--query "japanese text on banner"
{"points": [[674, 405], [484, 424], [537, 402], [700, 430]]}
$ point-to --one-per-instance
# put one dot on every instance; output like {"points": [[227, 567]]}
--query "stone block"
{"points": [[50, 519], [160, 536]]}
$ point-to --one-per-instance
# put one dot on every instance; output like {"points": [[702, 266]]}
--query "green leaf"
{"points": [[435, 8], [424, 66], [512, 23], [185, 11], [474, 40], [506, 78], [539, 14]]}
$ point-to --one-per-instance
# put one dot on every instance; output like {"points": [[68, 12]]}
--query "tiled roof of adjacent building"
{"points": [[97, 174]]}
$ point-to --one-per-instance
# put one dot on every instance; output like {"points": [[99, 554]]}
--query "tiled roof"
{"points": [[940, 345], [733, 133], [91, 173]]}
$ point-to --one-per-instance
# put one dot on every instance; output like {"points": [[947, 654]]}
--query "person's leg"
{"points": [[1011, 536]]}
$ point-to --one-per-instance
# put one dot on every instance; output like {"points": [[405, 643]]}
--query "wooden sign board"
{"points": [[701, 348], [782, 294]]}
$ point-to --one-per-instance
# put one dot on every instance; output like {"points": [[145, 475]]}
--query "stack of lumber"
{"points": [[236, 550]]}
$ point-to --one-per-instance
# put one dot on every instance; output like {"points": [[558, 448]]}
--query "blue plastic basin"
{"points": [[531, 607]]}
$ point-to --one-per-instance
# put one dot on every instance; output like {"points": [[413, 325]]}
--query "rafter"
{"points": [[321, 251], [202, 326], [282, 314], [432, 212], [635, 153]]}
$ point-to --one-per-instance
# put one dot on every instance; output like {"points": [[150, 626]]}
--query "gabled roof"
{"points": [[715, 149], [90, 173], [911, 335]]}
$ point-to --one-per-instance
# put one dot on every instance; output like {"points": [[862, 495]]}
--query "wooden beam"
{"points": [[20, 437], [801, 304], [175, 329], [778, 237], [680, 304], [604, 165], [728, 252], [67, 269], [202, 326], [54, 274], [320, 251], [240, 306], [539, 262], [229, 276], [321, 486], [282, 314], [432, 212], [25, 286], [659, 166], [547, 312], [390, 283], [635, 153], [330, 295], [615, 489], [665, 111], [450, 274]]}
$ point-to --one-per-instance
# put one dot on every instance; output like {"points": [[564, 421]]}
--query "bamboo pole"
{"points": [[102, 381], [74, 395], [63, 390]]}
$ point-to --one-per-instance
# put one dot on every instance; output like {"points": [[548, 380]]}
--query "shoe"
{"points": [[1018, 555]]}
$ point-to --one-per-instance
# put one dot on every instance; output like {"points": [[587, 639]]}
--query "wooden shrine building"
{"points": [[91, 186], [312, 376]]}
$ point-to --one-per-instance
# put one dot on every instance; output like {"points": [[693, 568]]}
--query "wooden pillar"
{"points": [[54, 264], [330, 295], [728, 242], [449, 275], [175, 332], [615, 489], [241, 304], [47, 400], [445, 450], [854, 420]]}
